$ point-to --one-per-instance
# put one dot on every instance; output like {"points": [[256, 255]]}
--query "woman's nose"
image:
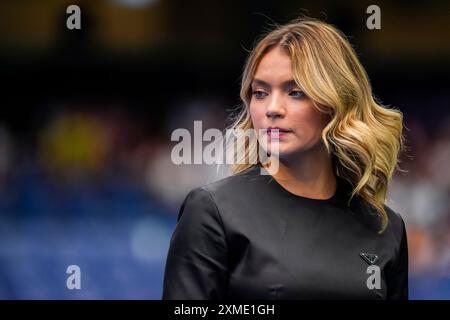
{"points": [[275, 108]]}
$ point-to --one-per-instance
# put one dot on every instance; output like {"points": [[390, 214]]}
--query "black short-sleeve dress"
{"points": [[247, 237]]}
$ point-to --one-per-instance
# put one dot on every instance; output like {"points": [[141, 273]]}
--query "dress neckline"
{"points": [[341, 194]]}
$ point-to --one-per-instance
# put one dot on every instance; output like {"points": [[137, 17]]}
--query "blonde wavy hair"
{"points": [[363, 138]]}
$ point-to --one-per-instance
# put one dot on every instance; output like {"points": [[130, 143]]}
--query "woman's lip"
{"points": [[275, 134], [279, 129]]}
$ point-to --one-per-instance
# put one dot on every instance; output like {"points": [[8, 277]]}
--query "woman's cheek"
{"points": [[256, 117]]}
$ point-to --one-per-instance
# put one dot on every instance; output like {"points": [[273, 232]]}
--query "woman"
{"points": [[317, 227]]}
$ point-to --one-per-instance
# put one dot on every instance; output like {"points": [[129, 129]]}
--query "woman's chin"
{"points": [[284, 153], [281, 153]]}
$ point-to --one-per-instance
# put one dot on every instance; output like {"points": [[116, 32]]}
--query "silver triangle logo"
{"points": [[370, 258]]}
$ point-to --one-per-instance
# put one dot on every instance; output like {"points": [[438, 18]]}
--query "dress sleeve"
{"points": [[197, 261], [397, 279]]}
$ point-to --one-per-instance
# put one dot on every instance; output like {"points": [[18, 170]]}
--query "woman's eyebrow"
{"points": [[289, 84], [260, 83], [285, 85]]}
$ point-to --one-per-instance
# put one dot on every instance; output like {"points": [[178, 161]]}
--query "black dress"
{"points": [[247, 237]]}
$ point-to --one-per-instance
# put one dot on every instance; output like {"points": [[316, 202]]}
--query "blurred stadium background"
{"points": [[86, 118]]}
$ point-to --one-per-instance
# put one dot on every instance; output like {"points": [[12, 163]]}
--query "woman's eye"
{"points": [[297, 94], [259, 94]]}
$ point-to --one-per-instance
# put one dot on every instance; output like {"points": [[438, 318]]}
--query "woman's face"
{"points": [[277, 101]]}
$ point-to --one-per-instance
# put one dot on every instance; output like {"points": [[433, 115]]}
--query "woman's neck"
{"points": [[308, 175]]}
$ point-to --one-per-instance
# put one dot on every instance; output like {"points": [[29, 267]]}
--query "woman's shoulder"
{"points": [[396, 224], [242, 186], [223, 192], [394, 216], [235, 183], [370, 217]]}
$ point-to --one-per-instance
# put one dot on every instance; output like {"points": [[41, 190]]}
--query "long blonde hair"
{"points": [[363, 137]]}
